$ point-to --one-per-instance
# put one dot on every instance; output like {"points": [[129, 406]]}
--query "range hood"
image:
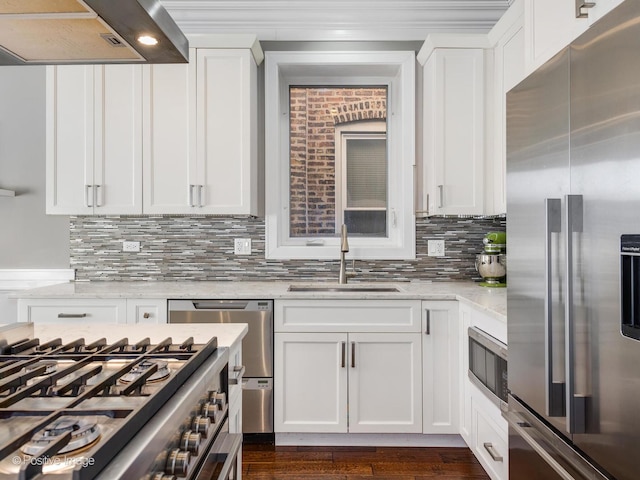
{"points": [[47, 32]]}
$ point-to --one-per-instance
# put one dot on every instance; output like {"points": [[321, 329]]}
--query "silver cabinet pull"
{"points": [[576, 404], [582, 6], [238, 372], [353, 354], [201, 195], [488, 446], [554, 397], [72, 315], [191, 201], [98, 195], [344, 354], [440, 196], [88, 195], [427, 330]]}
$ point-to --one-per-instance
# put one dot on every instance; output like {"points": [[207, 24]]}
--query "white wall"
{"points": [[28, 237]]}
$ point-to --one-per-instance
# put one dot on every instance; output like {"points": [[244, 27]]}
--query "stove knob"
{"points": [[219, 398], [162, 476], [212, 411], [200, 424], [177, 462], [190, 441]]}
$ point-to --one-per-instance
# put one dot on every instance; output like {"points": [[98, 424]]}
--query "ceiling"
{"points": [[336, 19]]}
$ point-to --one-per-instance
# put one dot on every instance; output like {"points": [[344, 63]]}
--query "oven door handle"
{"points": [[228, 452], [238, 373]]}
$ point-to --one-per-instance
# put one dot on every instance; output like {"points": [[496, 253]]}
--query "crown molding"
{"points": [[336, 19]]}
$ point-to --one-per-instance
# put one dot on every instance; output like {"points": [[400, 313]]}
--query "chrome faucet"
{"points": [[344, 248]]}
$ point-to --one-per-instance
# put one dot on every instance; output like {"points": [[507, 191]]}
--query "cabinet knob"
{"points": [[146, 315]]}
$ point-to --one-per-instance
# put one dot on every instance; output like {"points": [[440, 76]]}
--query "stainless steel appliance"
{"points": [[76, 410], [257, 353], [491, 264], [573, 163], [488, 365]]}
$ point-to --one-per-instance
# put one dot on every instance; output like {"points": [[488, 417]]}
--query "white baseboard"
{"points": [[369, 440]]}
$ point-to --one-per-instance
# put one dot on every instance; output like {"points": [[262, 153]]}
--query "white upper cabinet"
{"points": [[156, 139], [454, 124], [550, 25], [94, 140], [169, 137], [507, 38], [201, 134]]}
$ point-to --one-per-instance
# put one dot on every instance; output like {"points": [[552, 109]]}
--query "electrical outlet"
{"points": [[435, 248], [130, 246], [242, 246]]}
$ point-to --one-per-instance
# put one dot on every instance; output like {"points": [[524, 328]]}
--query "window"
{"points": [[361, 178], [340, 149]]}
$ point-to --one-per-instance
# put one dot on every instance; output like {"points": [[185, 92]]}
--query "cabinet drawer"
{"points": [[347, 316], [490, 445], [146, 311], [73, 311]]}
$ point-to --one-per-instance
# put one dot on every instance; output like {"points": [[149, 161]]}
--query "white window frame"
{"points": [[396, 70], [358, 130]]}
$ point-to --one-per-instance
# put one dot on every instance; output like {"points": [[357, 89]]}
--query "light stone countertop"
{"points": [[227, 334], [492, 301]]}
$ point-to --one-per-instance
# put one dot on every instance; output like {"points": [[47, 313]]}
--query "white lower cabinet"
{"points": [[339, 367], [82, 312], [146, 311], [347, 382], [440, 367], [481, 423], [91, 310], [490, 436], [310, 382]]}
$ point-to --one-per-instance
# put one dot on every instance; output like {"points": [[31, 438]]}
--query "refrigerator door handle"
{"points": [[576, 405], [555, 391]]}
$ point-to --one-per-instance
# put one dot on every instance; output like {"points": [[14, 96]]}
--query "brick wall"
{"points": [[314, 113]]}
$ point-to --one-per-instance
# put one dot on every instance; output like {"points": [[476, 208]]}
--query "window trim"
{"points": [[394, 69], [362, 129]]}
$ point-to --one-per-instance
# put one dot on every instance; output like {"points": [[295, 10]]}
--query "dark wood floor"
{"points": [[266, 462]]}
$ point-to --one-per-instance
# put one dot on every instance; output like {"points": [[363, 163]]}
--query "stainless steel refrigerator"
{"points": [[573, 210]]}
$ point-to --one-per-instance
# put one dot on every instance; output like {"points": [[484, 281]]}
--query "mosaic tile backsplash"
{"points": [[201, 248]]}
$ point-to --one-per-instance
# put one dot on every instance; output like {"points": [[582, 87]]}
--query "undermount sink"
{"points": [[342, 288]]}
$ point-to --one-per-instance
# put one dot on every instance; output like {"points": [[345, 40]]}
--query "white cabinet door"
{"points": [[200, 134], [226, 131], [466, 429], [170, 138], [94, 140], [384, 383], [310, 382], [79, 312], [509, 70], [147, 311], [550, 25], [454, 107], [440, 367], [70, 144], [117, 177]]}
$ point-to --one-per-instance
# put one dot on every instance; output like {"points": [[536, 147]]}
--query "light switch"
{"points": [[435, 248], [242, 246]]}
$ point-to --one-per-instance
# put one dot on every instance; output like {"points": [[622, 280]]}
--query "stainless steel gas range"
{"points": [[129, 409]]}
